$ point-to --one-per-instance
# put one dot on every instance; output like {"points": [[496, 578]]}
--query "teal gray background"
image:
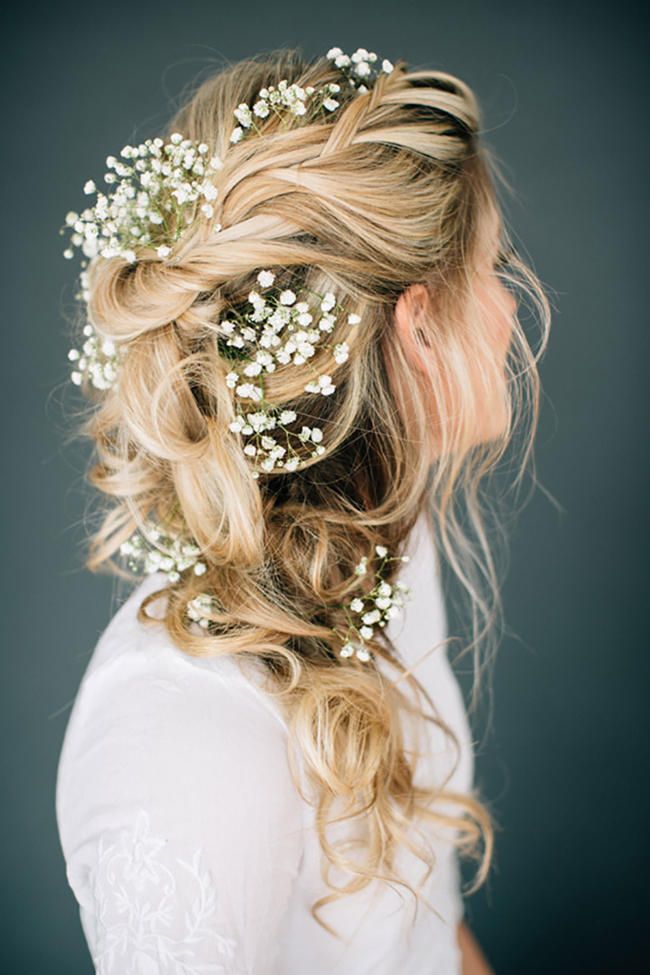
{"points": [[564, 92]]}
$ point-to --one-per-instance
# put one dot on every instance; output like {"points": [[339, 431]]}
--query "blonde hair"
{"points": [[391, 189]]}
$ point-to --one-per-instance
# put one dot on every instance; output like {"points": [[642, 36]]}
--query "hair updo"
{"points": [[390, 190]]}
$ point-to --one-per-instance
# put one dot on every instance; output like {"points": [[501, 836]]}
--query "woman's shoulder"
{"points": [[136, 659], [149, 724]]}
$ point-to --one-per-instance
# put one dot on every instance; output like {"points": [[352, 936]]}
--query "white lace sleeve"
{"points": [[179, 820]]}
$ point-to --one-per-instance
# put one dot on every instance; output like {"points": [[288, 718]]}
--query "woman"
{"points": [[302, 354]]}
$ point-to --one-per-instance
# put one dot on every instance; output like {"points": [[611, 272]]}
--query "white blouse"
{"points": [[187, 844]]}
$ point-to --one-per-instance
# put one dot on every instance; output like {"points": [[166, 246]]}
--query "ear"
{"points": [[409, 308]]}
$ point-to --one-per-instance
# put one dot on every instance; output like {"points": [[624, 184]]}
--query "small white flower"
{"points": [[372, 617], [249, 391], [157, 551], [163, 250], [89, 187], [266, 278], [287, 297], [341, 352], [381, 550], [353, 319], [252, 369], [261, 108]]}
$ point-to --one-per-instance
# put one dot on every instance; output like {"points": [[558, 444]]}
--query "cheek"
{"points": [[500, 307]]}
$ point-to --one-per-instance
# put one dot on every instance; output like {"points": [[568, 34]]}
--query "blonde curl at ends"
{"points": [[389, 191]]}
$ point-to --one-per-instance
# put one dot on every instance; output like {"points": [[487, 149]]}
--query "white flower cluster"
{"points": [[383, 602], [275, 100], [152, 202], [98, 359], [360, 68], [156, 551], [283, 330], [201, 604]]}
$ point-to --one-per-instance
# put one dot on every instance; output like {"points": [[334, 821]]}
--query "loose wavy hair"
{"points": [[391, 189]]}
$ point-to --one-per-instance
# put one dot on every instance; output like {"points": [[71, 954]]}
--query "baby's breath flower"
{"points": [[323, 385], [360, 65], [155, 551], [341, 352], [382, 603], [290, 101], [151, 202], [284, 101], [98, 360], [266, 278], [197, 608], [279, 329]]}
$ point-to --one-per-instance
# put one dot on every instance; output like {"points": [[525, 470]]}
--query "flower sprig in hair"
{"points": [[98, 359], [153, 201], [290, 101], [361, 68], [200, 605], [284, 101], [377, 607], [280, 329], [157, 551]]}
